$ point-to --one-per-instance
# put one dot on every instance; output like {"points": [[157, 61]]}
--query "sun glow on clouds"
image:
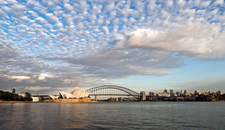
{"points": [[193, 39], [83, 42], [43, 76], [19, 78]]}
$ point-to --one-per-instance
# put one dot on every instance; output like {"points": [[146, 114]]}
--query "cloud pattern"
{"points": [[54, 44]]}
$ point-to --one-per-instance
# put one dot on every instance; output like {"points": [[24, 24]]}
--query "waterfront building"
{"points": [[178, 94], [182, 92], [197, 92], [165, 93], [74, 93], [151, 94], [154, 94], [206, 93], [54, 97], [159, 94], [120, 99], [219, 93], [35, 99]]}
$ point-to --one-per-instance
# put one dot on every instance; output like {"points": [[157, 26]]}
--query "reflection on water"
{"points": [[76, 118], [134, 115]]}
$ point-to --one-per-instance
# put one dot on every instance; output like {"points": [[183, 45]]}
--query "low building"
{"points": [[35, 99]]}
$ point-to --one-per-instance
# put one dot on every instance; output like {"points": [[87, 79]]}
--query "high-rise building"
{"points": [[165, 91], [182, 92], [171, 92], [219, 93], [197, 92], [151, 94], [178, 94]]}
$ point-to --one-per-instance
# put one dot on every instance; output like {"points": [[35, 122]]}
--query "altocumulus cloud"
{"points": [[54, 45]]}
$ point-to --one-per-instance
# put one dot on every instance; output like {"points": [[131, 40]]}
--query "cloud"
{"points": [[105, 29], [12, 2], [59, 25], [68, 6], [218, 2], [152, 5], [52, 17], [109, 7], [205, 3], [3, 14], [41, 20], [114, 64], [20, 77], [37, 88], [68, 19], [43, 76], [88, 43], [193, 39]]}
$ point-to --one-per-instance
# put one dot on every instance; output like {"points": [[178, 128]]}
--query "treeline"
{"points": [[8, 96], [211, 97]]}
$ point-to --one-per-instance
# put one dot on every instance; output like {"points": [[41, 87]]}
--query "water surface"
{"points": [[104, 115]]}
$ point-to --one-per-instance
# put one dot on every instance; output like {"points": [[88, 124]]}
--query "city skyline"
{"points": [[49, 46], [112, 93]]}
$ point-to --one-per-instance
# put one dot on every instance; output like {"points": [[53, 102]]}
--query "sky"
{"points": [[53, 45]]}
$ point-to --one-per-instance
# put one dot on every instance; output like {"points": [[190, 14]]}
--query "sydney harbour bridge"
{"points": [[112, 90]]}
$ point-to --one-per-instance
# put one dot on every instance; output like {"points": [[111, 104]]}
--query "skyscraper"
{"points": [[171, 92], [165, 91]]}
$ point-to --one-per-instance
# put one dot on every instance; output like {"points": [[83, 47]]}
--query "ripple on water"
{"points": [[134, 115]]}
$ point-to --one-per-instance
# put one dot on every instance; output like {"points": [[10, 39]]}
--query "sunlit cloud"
{"points": [[194, 39], [43, 76], [20, 77]]}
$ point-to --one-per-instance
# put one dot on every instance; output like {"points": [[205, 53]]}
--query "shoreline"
{"points": [[82, 100], [41, 102], [18, 102], [51, 101]]}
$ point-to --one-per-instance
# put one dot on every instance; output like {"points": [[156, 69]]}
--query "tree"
{"points": [[8, 96], [27, 96]]}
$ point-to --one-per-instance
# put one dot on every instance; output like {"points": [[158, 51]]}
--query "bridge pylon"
{"points": [[96, 99]]}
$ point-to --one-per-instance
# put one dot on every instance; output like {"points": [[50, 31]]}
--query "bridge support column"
{"points": [[96, 98], [143, 96]]}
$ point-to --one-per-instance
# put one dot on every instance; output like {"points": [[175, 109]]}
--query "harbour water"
{"points": [[116, 115]]}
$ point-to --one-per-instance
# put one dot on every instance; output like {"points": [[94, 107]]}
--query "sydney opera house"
{"points": [[75, 93]]}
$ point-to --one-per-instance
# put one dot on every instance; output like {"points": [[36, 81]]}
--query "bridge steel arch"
{"points": [[126, 90]]}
